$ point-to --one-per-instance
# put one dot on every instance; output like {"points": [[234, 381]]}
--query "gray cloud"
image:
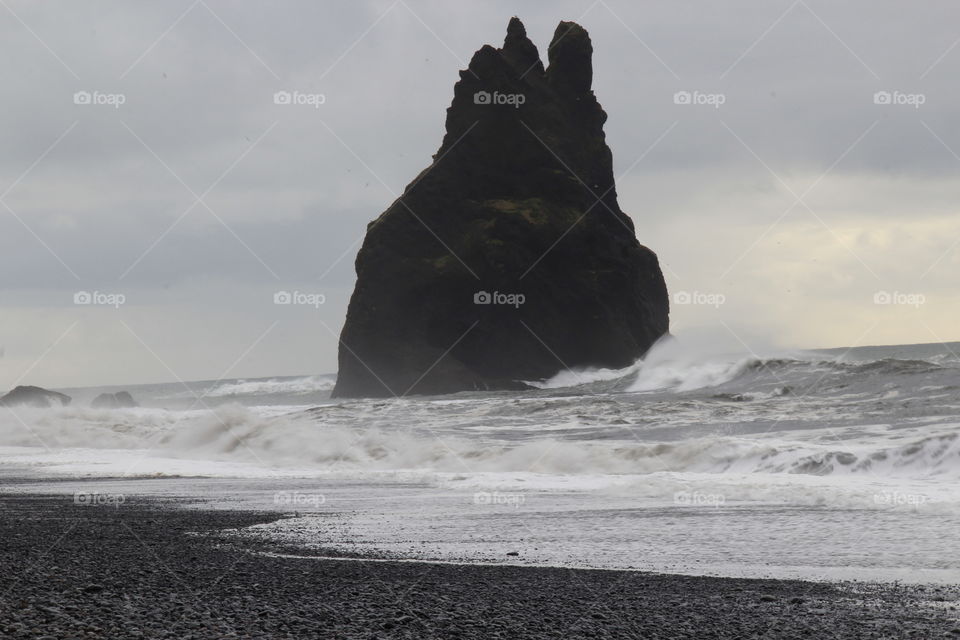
{"points": [[294, 186]]}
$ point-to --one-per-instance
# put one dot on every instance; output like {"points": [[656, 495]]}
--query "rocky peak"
{"points": [[519, 50], [571, 59], [508, 258]]}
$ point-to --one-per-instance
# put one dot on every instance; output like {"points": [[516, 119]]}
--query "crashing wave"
{"points": [[275, 386], [236, 434]]}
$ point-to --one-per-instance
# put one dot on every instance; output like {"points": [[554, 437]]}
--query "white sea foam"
{"points": [[574, 377], [688, 375], [807, 459], [669, 365], [675, 366], [236, 434], [294, 386]]}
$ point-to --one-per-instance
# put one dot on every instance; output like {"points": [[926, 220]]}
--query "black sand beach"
{"points": [[148, 569]]}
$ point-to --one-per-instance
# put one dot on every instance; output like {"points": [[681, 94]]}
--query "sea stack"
{"points": [[508, 259], [119, 400], [34, 397]]}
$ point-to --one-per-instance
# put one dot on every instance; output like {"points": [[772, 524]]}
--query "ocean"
{"points": [[839, 464]]}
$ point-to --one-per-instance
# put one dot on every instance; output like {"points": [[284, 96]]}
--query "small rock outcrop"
{"points": [[508, 258], [34, 397], [119, 400]]}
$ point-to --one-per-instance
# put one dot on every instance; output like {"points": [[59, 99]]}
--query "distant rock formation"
{"points": [[119, 400], [508, 258], [34, 397]]}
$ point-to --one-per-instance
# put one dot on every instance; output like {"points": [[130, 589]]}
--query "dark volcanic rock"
{"points": [[519, 200], [34, 397], [119, 400]]}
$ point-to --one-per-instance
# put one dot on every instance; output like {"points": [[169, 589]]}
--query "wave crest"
{"points": [[276, 386], [236, 434]]}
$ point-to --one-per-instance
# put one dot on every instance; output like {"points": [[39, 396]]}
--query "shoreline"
{"points": [[786, 542], [151, 569]]}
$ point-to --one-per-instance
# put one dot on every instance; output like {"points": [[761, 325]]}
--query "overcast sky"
{"points": [[795, 202]]}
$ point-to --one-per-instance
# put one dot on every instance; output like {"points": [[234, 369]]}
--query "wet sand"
{"points": [[150, 569]]}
